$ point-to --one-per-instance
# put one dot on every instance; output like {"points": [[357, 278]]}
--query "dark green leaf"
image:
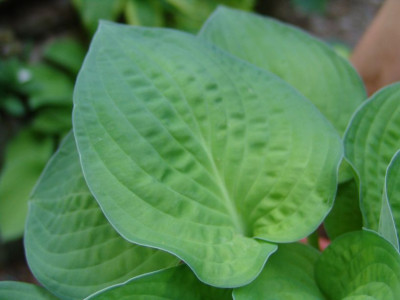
{"points": [[67, 53], [345, 215], [25, 158]]}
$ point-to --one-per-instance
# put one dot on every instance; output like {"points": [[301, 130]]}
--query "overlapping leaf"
{"points": [[373, 137], [359, 265], [70, 246], [289, 274], [192, 151], [170, 284], [308, 64], [12, 290]]}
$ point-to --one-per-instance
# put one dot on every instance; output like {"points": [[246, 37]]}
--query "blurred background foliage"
{"points": [[42, 46]]}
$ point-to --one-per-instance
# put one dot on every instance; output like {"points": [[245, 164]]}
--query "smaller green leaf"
{"points": [[359, 265], [345, 215], [289, 274], [48, 86], [144, 13], [91, 11], [12, 290], [169, 284], [67, 53], [389, 222], [13, 105], [25, 158], [53, 120]]}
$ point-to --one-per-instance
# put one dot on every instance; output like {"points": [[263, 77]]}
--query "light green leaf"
{"points": [[288, 275], [70, 246], [359, 265], [345, 215], [12, 290], [170, 284], [92, 11], [67, 53], [190, 150], [371, 140], [48, 86], [308, 64], [25, 158], [389, 222], [145, 13]]}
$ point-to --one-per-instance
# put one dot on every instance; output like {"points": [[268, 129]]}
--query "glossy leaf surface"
{"points": [[170, 284], [200, 156], [12, 290], [288, 275], [308, 64], [373, 137], [71, 248], [26, 155], [359, 265]]}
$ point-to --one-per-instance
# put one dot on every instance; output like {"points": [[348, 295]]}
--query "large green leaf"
{"points": [[345, 215], [195, 152], [359, 265], [170, 284], [26, 155], [308, 64], [371, 140], [389, 222], [70, 246], [12, 290], [289, 275]]}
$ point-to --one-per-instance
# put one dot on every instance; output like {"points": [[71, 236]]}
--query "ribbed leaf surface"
{"points": [[71, 248], [170, 284], [371, 140], [308, 64], [359, 265], [190, 150]]}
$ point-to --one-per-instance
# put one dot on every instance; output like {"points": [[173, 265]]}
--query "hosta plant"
{"points": [[197, 163]]}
